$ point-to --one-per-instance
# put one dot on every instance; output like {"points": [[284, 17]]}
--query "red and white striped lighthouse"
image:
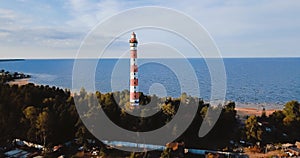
{"points": [[134, 84]]}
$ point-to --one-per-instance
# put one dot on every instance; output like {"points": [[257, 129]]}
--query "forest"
{"points": [[6, 76], [48, 116]]}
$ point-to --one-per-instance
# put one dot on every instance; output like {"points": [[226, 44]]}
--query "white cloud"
{"points": [[16, 31], [4, 34], [7, 14], [243, 28], [87, 14], [269, 28]]}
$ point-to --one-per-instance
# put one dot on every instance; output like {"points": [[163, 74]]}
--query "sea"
{"points": [[250, 82]]}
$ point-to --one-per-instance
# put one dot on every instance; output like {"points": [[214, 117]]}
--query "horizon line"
{"points": [[73, 58]]}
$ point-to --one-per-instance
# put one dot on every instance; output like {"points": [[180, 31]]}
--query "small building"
{"points": [[17, 153], [294, 151], [287, 145]]}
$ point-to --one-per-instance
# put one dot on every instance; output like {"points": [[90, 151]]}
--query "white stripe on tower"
{"points": [[134, 85]]}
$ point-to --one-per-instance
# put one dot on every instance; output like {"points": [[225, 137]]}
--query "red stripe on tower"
{"points": [[134, 93], [133, 68], [133, 54]]}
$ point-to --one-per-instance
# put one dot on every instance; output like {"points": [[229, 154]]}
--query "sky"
{"points": [[55, 29]]}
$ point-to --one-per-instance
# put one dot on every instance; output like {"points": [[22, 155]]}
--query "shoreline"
{"points": [[6, 60], [248, 111], [242, 110], [19, 82]]}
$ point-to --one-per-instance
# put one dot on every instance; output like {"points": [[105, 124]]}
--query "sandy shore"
{"points": [[19, 82], [253, 111]]}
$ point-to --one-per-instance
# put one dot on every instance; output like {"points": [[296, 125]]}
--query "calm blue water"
{"points": [[249, 80]]}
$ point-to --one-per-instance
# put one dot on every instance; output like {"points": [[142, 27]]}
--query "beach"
{"points": [[242, 111], [19, 82]]}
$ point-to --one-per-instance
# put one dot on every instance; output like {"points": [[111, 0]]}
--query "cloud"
{"points": [[87, 14], [22, 30], [47, 37], [249, 28], [240, 28], [236, 26], [9, 20], [7, 14]]}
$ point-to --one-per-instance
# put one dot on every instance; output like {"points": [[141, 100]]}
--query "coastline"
{"points": [[248, 111], [5, 60], [241, 109], [19, 82]]}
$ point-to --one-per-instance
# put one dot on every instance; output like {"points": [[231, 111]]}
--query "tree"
{"points": [[31, 115], [253, 130], [291, 111], [168, 109], [82, 135], [43, 126]]}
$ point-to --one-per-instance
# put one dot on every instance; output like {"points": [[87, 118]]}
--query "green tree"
{"points": [[43, 125], [31, 115], [291, 120], [82, 135], [252, 129], [168, 109], [291, 111]]}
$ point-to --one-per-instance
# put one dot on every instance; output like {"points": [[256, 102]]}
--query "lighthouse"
{"points": [[134, 85]]}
